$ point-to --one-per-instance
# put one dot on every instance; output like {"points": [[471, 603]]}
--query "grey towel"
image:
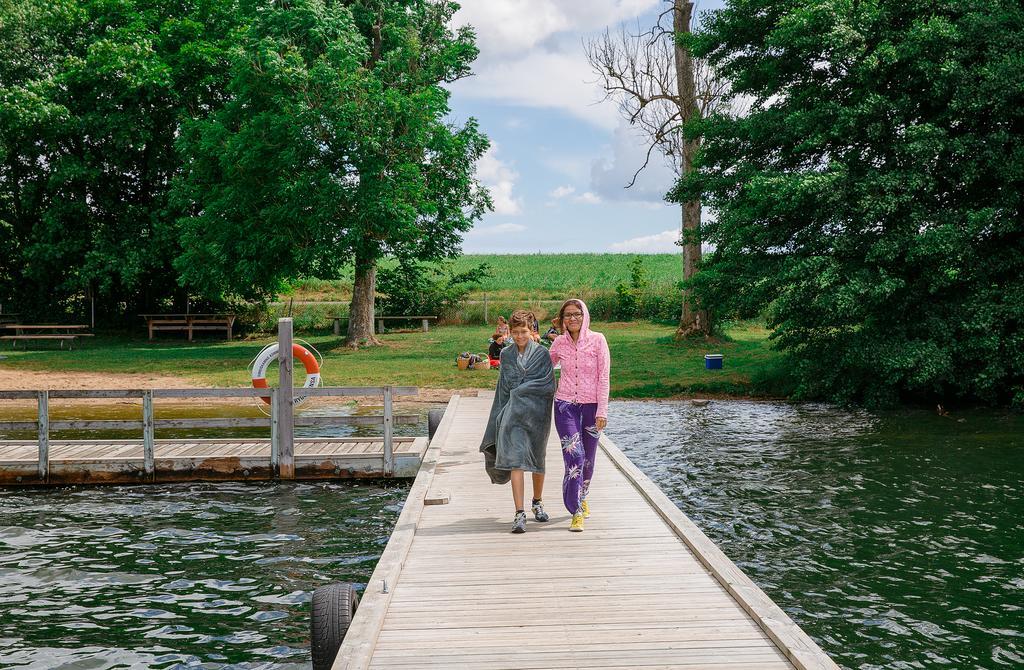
{"points": [[517, 431]]}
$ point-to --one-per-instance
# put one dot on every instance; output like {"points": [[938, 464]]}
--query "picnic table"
{"points": [[32, 331], [380, 321], [189, 322]]}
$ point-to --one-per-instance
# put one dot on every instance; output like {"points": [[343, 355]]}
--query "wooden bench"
{"points": [[59, 332], [380, 321], [62, 338], [189, 323]]}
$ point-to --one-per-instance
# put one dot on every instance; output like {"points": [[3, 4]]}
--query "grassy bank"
{"points": [[647, 363]]}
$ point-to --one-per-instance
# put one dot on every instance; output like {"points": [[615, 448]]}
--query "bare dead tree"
{"points": [[659, 88]]}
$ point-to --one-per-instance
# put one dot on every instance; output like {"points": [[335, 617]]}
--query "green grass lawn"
{"points": [[646, 362]]}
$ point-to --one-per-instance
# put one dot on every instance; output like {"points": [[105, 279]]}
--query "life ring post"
{"points": [[285, 400]]}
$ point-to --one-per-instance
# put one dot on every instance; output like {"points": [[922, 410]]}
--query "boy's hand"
{"points": [[601, 423]]}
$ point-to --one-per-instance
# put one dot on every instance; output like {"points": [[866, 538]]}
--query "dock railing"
{"points": [[281, 421], [44, 425]]}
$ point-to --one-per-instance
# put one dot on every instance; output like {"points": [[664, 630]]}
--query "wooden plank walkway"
{"points": [[121, 461], [641, 587]]}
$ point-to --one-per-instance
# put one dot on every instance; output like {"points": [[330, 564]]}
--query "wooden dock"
{"points": [[641, 587], [124, 461]]}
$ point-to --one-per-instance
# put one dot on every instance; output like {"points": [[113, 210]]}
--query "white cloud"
{"points": [[499, 179], [562, 191], [511, 27], [609, 176], [500, 229], [588, 198], [530, 52], [545, 80], [660, 243]]}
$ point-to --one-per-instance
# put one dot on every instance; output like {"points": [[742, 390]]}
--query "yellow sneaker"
{"points": [[585, 508], [577, 523]]}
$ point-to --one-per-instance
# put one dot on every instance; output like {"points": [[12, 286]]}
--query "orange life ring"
{"points": [[269, 354]]}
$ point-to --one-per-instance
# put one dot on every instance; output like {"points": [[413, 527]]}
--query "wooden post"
{"points": [[389, 455], [337, 326], [285, 400], [486, 320], [426, 325], [44, 435], [275, 444], [148, 457], [380, 326]]}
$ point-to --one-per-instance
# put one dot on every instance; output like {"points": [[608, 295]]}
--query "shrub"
{"points": [[421, 289]]}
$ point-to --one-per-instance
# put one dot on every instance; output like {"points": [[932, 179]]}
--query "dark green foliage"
{"points": [[266, 179], [870, 203], [92, 94], [334, 146], [151, 150], [426, 290]]}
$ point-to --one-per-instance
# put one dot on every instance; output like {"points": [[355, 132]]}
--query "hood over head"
{"points": [[585, 329]]}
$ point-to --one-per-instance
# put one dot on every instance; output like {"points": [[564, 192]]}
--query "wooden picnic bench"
{"points": [[189, 323], [59, 332], [380, 321]]}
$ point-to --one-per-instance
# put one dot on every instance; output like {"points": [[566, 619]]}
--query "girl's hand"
{"points": [[601, 422]]}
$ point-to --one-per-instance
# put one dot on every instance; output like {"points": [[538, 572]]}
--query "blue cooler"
{"points": [[712, 361]]}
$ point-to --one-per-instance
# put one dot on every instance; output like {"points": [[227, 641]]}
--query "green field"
{"points": [[537, 276], [646, 361]]}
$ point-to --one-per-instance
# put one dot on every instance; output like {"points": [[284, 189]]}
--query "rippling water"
{"points": [[210, 576], [895, 540]]}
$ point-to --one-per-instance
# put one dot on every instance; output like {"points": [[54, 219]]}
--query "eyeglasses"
{"points": [[572, 316]]}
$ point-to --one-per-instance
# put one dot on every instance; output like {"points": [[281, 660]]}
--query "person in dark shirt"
{"points": [[497, 343]]}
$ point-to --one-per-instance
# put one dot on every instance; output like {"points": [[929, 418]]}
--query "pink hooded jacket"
{"points": [[585, 366]]}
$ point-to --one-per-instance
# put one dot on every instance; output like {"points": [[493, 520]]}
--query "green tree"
{"points": [[268, 178], [871, 200], [416, 191], [334, 150], [92, 96]]}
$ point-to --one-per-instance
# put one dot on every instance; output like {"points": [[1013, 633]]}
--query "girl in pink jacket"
{"points": [[581, 402]]}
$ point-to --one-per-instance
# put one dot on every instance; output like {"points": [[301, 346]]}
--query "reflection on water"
{"points": [[179, 575], [895, 540]]}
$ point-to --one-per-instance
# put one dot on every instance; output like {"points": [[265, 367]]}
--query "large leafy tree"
{"points": [[871, 200], [92, 96], [416, 191], [333, 151], [267, 182]]}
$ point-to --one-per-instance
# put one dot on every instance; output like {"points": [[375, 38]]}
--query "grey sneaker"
{"points": [[538, 512], [519, 523]]}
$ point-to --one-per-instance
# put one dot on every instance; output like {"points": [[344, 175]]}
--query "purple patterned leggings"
{"points": [[577, 429]]}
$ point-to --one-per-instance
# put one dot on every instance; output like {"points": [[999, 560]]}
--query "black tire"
{"points": [[334, 606], [434, 417]]}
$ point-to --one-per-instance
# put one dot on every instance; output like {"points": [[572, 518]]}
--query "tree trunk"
{"points": [[360, 321], [691, 321]]}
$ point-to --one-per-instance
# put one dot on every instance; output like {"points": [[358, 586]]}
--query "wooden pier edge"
{"points": [[799, 648], [361, 639]]}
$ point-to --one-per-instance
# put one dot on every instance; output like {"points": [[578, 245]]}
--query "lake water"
{"points": [[894, 539]]}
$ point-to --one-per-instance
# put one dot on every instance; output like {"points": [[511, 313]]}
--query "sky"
{"points": [[560, 158]]}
